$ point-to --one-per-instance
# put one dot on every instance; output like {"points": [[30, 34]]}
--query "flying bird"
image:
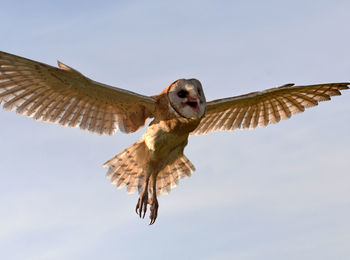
{"points": [[154, 164]]}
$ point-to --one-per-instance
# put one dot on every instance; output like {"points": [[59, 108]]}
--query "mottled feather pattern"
{"points": [[63, 95], [258, 109]]}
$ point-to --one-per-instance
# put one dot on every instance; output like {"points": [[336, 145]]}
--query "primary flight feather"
{"points": [[155, 163]]}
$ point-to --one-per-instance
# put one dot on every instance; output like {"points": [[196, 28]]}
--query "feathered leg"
{"points": [[154, 202]]}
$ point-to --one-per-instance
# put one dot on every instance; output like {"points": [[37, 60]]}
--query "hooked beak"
{"points": [[193, 103]]}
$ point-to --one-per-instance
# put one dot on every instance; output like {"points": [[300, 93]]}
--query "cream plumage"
{"points": [[155, 163]]}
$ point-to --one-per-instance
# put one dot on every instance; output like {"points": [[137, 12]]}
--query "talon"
{"points": [[141, 206], [154, 210], [145, 209]]}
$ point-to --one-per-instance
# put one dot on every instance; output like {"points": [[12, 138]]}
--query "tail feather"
{"points": [[129, 168], [169, 177]]}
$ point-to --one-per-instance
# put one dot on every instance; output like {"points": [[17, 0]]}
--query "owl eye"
{"points": [[182, 93]]}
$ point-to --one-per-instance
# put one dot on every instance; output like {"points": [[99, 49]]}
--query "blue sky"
{"points": [[276, 193]]}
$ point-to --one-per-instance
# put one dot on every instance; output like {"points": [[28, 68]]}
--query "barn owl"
{"points": [[154, 164]]}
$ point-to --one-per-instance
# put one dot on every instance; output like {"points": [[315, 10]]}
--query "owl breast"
{"points": [[163, 137]]}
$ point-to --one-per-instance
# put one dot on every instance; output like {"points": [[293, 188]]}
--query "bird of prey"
{"points": [[154, 164]]}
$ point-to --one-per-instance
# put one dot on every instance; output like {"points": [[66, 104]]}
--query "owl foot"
{"points": [[154, 209], [141, 206]]}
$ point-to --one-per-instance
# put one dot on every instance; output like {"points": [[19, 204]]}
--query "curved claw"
{"points": [[154, 210], [141, 206]]}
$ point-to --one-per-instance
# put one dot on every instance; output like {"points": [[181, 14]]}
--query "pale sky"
{"points": [[282, 192]]}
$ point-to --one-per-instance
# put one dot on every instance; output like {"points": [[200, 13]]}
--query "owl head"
{"points": [[187, 98]]}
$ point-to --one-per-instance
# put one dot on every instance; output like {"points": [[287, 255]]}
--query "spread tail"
{"points": [[129, 168]]}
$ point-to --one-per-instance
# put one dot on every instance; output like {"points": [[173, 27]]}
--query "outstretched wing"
{"points": [[265, 107], [65, 96]]}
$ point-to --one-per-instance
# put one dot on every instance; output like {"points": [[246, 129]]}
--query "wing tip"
{"points": [[63, 66]]}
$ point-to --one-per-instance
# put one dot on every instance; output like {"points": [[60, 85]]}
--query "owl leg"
{"points": [[141, 206], [154, 202]]}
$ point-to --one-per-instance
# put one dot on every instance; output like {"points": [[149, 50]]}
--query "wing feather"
{"points": [[69, 111], [255, 117], [10, 100], [248, 117], [63, 95], [264, 119], [231, 118], [53, 106], [42, 103], [78, 113], [266, 107]]}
